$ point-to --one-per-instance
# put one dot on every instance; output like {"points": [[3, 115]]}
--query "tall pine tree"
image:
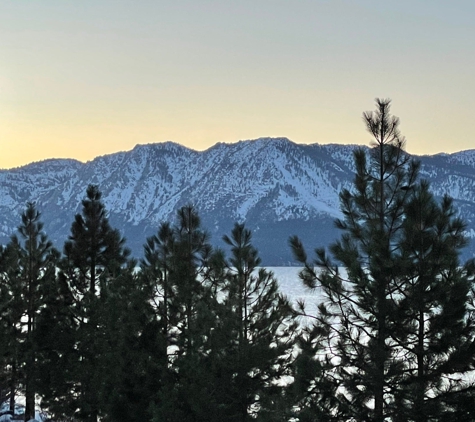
{"points": [[434, 328], [176, 265], [94, 257], [11, 312], [30, 261], [261, 331], [359, 303], [37, 264]]}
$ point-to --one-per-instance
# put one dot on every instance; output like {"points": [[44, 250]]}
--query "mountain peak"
{"points": [[277, 187], [166, 145]]}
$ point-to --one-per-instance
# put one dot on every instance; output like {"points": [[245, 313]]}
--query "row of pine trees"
{"points": [[191, 333]]}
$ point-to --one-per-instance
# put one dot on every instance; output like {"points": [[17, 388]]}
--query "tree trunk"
{"points": [[13, 389]]}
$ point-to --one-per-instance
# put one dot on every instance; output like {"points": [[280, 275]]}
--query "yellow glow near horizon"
{"points": [[83, 137], [83, 79]]}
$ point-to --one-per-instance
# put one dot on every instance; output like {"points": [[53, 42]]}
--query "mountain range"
{"points": [[277, 187]]}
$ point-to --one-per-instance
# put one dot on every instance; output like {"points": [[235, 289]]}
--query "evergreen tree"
{"points": [[37, 266], [190, 253], [227, 334], [4, 302], [231, 333], [176, 266], [132, 338], [261, 331], [30, 264], [11, 312], [94, 257], [95, 251], [434, 329], [56, 338], [360, 304], [155, 271], [314, 392]]}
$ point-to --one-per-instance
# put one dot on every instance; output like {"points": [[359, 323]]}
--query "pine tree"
{"points": [[37, 264], [155, 271], [231, 333], [11, 311], [190, 254], [31, 263], [314, 392], [4, 302], [359, 304], [94, 257], [133, 339], [261, 330], [434, 329], [94, 248], [176, 266], [55, 336]]}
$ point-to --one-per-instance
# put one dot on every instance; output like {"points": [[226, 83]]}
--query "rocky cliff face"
{"points": [[277, 187]]}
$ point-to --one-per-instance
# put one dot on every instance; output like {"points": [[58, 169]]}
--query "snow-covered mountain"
{"points": [[277, 187]]}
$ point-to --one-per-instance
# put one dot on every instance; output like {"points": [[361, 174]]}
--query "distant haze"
{"points": [[80, 79]]}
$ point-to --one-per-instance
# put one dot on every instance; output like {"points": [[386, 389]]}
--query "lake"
{"points": [[291, 286]]}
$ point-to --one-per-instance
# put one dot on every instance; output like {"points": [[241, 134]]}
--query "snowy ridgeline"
{"points": [[277, 187]]}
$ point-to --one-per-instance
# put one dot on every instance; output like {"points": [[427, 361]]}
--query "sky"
{"points": [[83, 78]]}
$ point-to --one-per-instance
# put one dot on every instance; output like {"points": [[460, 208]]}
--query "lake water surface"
{"points": [[291, 286]]}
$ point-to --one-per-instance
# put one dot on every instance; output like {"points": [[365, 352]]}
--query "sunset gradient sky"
{"points": [[82, 78]]}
